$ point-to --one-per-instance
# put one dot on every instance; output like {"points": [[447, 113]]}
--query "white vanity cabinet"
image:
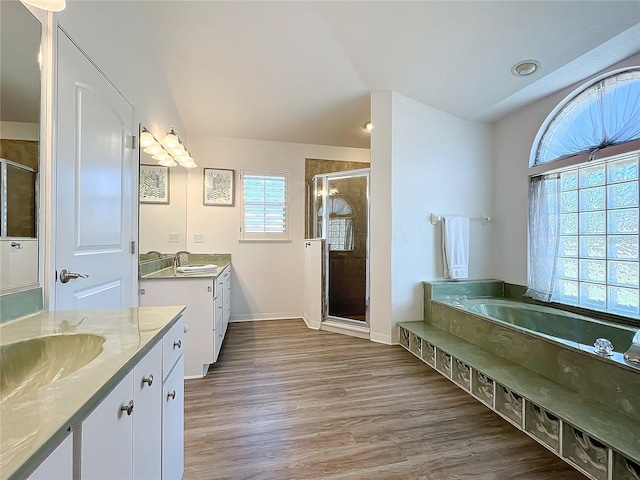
{"points": [[124, 437], [58, 465], [121, 438], [208, 301]]}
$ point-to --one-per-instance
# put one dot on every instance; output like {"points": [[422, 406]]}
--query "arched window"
{"points": [[604, 113], [584, 220]]}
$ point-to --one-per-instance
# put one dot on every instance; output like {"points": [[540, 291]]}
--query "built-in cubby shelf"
{"points": [[601, 443]]}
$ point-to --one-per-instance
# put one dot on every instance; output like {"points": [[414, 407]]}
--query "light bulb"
{"points": [[178, 151], [162, 156], [189, 164], [153, 149], [49, 5], [171, 140], [146, 139], [368, 127], [168, 162]]}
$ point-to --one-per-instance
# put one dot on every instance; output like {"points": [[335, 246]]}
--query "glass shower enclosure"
{"points": [[338, 212]]}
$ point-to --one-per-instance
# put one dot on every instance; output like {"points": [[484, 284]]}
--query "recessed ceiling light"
{"points": [[526, 68], [367, 127]]}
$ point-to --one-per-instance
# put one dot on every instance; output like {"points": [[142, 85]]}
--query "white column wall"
{"points": [[380, 313], [423, 161]]}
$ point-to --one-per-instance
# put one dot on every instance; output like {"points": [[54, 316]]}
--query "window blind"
{"points": [[264, 205]]}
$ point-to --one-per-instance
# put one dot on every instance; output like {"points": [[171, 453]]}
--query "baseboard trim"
{"points": [[380, 338], [265, 316], [309, 323]]}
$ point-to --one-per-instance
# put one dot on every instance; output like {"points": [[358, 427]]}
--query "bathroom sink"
{"points": [[33, 363]]}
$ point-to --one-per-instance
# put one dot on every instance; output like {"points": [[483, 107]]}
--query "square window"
{"points": [[591, 176], [623, 300], [622, 170], [593, 270], [593, 222], [622, 195], [568, 246], [622, 221], [622, 247], [593, 295], [593, 246], [623, 273], [592, 199]]}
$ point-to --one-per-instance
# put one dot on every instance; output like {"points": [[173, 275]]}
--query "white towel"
{"points": [[455, 247]]}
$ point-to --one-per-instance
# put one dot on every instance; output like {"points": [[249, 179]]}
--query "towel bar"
{"points": [[484, 219]]}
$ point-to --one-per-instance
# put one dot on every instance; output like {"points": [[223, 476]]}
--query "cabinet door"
{"points": [[147, 418], [197, 294], [218, 332], [227, 298], [173, 424], [58, 465], [107, 436]]}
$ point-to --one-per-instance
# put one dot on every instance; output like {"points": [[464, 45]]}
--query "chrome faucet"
{"points": [[180, 258], [153, 252], [633, 354]]}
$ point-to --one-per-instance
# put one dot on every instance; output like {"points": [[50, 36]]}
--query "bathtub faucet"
{"points": [[633, 354]]}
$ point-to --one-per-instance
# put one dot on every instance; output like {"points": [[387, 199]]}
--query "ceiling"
{"points": [[303, 71]]}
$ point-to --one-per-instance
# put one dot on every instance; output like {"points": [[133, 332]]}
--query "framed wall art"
{"points": [[218, 187], [154, 184]]}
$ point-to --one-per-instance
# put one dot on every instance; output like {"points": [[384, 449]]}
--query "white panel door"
{"points": [[94, 204]]}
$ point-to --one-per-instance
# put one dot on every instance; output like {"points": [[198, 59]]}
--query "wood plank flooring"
{"points": [[286, 402]]}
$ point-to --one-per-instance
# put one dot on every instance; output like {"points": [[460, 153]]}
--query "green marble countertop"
{"points": [[170, 272], [34, 423], [222, 260], [615, 429]]}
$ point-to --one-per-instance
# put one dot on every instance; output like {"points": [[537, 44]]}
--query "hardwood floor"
{"points": [[286, 402]]}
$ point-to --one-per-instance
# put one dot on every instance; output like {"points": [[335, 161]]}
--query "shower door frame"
{"points": [[346, 174]]}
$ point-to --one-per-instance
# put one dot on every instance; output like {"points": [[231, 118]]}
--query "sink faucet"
{"points": [[153, 252], [180, 258], [633, 354]]}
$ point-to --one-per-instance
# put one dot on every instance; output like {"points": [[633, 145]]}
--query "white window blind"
{"points": [[265, 205]]}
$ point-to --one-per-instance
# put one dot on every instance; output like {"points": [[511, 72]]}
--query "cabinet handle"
{"points": [[171, 395], [148, 380], [127, 408], [177, 344]]}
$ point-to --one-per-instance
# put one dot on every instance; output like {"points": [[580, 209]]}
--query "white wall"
{"points": [[115, 36], [513, 140], [267, 278], [438, 163]]}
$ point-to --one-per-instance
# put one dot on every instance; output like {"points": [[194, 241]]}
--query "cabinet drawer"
{"points": [[221, 279], [173, 424], [172, 347]]}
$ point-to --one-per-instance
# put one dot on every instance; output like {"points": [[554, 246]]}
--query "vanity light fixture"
{"points": [[367, 127], [170, 152], [48, 5], [525, 68]]}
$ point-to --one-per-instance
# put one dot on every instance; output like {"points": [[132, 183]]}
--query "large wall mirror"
{"points": [[20, 102], [163, 209]]}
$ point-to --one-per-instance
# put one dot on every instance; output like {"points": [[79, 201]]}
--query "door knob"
{"points": [[66, 275]]}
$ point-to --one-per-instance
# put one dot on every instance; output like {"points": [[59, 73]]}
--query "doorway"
{"points": [[339, 213]]}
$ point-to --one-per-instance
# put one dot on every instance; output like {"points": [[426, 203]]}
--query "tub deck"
{"points": [[617, 431]]}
